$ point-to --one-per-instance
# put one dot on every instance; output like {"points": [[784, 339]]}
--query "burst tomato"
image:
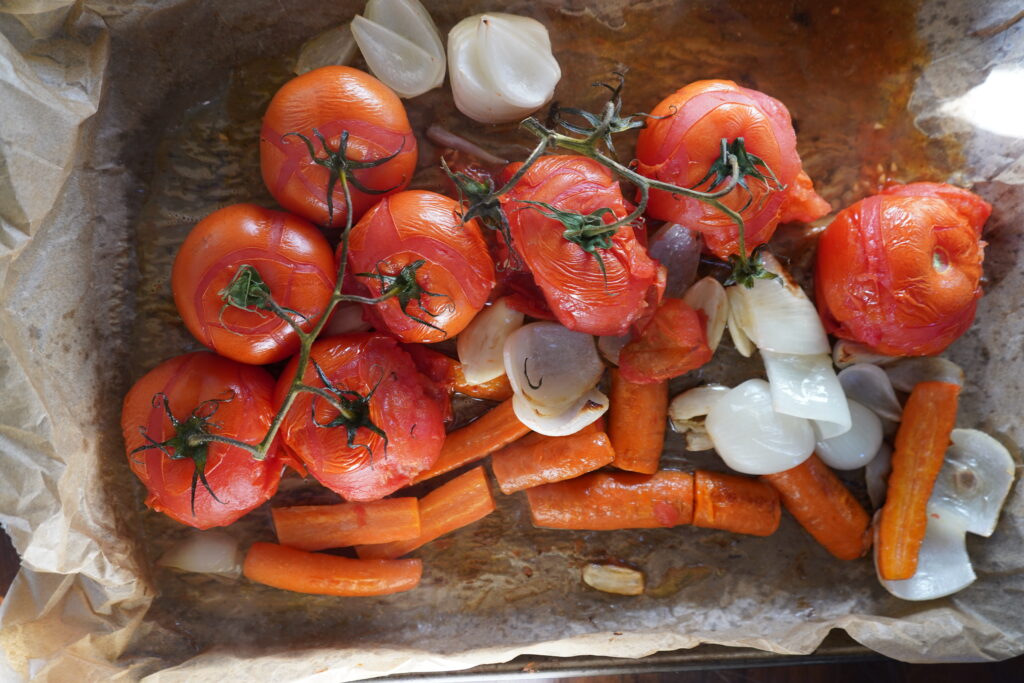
{"points": [[330, 100], [672, 343], [378, 385], [291, 257], [682, 147], [580, 295], [451, 285], [204, 393], [900, 271]]}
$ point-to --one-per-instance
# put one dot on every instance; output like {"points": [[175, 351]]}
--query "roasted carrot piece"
{"points": [[492, 430], [319, 574], [817, 499], [637, 414], [619, 500], [733, 503], [921, 442], [532, 462], [458, 503], [498, 389], [316, 527]]}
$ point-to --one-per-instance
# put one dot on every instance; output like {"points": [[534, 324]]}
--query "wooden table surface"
{"points": [[880, 671]]}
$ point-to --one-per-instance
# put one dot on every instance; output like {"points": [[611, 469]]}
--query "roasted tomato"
{"points": [[672, 343], [327, 102], [597, 292], [221, 300], [183, 400], [437, 298], [682, 148], [900, 271], [391, 430]]}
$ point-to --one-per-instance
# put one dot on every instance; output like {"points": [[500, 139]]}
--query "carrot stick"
{"points": [[636, 423], [619, 500], [921, 442], [458, 503], [816, 497], [498, 389], [315, 527], [486, 434], [532, 462], [738, 504], [319, 574]]}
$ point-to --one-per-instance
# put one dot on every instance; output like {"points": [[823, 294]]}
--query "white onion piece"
{"points": [[943, 566], [551, 366], [332, 47], [846, 353], [686, 414], [908, 372], [346, 319], [411, 20], [975, 479], [481, 344], [807, 387], [708, 295], [869, 385], [501, 66], [611, 347], [754, 439], [740, 340], [776, 314], [858, 446], [678, 249], [583, 412], [399, 63], [205, 552], [876, 475]]}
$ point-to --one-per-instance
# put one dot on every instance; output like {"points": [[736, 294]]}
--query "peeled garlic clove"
{"points": [[708, 295], [908, 372], [611, 347], [943, 566], [740, 340], [610, 578], [335, 46], [551, 366], [754, 439], [876, 475], [869, 385], [501, 66], [398, 62], [686, 414], [975, 479], [678, 249], [858, 446], [410, 19], [205, 552], [583, 412], [481, 344], [846, 353], [807, 387]]}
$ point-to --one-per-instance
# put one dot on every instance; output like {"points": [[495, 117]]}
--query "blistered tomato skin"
{"points": [[576, 291], [290, 255], [330, 100], [680, 148], [400, 406], [900, 271], [456, 278], [243, 411]]}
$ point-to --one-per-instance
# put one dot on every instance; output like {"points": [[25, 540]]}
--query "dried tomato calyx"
{"points": [[601, 127], [746, 270], [480, 200], [248, 291], [404, 287], [191, 440], [353, 409], [736, 162]]}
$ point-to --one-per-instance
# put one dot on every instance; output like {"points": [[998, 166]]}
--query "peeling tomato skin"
{"points": [[680, 147], [900, 271]]}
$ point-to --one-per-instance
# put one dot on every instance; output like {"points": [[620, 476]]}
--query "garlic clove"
{"points": [[611, 347], [480, 346], [399, 63], [846, 353], [870, 385], [410, 19], [609, 578], [335, 46], [708, 295]]}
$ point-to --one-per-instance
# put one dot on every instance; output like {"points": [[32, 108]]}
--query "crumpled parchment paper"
{"points": [[121, 124]]}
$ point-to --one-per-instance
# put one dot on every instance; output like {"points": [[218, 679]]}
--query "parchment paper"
{"points": [[122, 124]]}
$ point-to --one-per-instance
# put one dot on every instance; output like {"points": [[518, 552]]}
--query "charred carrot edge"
{"points": [[492, 430], [318, 574], [458, 503], [921, 442], [733, 503], [316, 527], [817, 499], [498, 389], [532, 462], [636, 423], [614, 500]]}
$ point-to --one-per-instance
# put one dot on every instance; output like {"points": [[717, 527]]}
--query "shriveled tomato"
{"points": [[900, 271], [602, 291], [392, 428], [168, 414], [671, 344], [438, 297], [329, 101], [682, 148], [217, 275]]}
